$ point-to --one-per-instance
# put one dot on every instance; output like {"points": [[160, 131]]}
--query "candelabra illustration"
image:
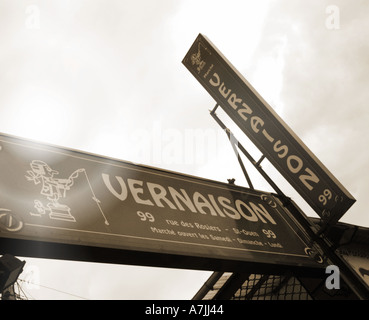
{"points": [[55, 189]]}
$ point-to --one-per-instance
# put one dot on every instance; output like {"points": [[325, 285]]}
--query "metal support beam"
{"points": [[260, 160], [208, 286], [234, 282], [351, 278], [234, 142], [248, 156], [256, 287]]}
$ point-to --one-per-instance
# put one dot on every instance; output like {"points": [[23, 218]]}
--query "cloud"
{"points": [[323, 85]]}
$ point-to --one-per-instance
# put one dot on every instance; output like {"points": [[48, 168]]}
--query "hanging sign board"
{"points": [[53, 194], [322, 191], [357, 257]]}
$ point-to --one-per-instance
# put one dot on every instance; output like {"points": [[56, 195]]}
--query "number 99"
{"points": [[323, 199], [145, 216], [327, 195], [269, 233]]}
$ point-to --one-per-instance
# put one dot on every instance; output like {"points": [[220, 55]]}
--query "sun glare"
{"points": [[39, 114]]}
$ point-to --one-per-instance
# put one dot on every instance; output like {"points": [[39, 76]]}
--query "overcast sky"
{"points": [[106, 77]]}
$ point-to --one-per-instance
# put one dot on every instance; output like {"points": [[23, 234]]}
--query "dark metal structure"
{"points": [[349, 240], [301, 168], [10, 269]]}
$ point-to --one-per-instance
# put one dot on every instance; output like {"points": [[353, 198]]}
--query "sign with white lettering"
{"points": [[59, 195], [322, 191]]}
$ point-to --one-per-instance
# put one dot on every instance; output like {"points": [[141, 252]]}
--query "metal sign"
{"points": [[322, 191], [358, 258], [54, 194]]}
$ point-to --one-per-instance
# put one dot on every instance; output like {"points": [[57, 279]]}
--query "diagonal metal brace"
{"points": [[234, 142], [256, 164]]}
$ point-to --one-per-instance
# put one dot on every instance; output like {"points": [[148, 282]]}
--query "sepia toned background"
{"points": [[106, 77]]}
